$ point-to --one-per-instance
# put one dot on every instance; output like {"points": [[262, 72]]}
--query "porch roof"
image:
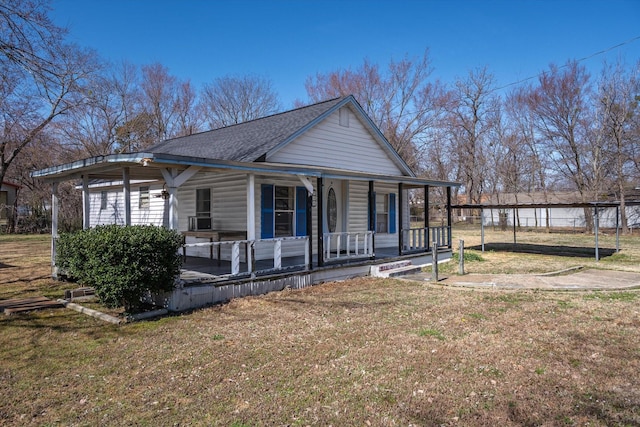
{"points": [[148, 166]]}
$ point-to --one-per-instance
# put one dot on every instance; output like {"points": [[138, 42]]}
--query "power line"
{"points": [[566, 65]]}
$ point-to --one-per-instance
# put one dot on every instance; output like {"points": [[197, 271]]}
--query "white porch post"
{"points": [[54, 228], [126, 189], [251, 207], [86, 206], [251, 218], [173, 208], [173, 179]]}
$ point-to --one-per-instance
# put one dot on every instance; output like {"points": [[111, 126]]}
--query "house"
{"points": [[8, 202], [289, 200]]}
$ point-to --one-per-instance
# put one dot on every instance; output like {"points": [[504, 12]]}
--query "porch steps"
{"points": [[394, 269]]}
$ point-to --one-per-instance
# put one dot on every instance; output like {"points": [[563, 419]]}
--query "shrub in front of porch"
{"points": [[122, 263]]}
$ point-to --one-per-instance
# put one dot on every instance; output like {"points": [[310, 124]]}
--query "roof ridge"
{"points": [[250, 121]]}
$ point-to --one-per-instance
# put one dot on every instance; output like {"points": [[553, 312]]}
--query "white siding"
{"points": [[228, 205], [114, 211], [358, 215], [331, 145]]}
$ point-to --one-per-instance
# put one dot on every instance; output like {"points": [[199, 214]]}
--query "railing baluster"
{"points": [[277, 254], [307, 257], [338, 245], [235, 258]]}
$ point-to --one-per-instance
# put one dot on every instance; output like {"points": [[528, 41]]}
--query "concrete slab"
{"points": [[584, 280]]}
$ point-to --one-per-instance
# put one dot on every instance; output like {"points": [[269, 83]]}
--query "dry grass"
{"points": [[360, 352], [540, 252]]}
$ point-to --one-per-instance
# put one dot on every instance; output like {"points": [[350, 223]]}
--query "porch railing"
{"points": [[249, 246], [348, 245], [416, 239]]}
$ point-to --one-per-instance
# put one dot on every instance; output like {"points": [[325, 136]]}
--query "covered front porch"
{"points": [[255, 223]]}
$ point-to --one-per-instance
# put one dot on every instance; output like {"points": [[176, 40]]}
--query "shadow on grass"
{"points": [[527, 248]]}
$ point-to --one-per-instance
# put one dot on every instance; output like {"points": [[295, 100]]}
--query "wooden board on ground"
{"points": [[20, 305]]}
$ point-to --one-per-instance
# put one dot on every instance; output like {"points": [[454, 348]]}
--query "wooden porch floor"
{"points": [[198, 270]]}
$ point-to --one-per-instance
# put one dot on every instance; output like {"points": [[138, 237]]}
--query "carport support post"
{"points": [[514, 226], [461, 258], [617, 229], [597, 225], [482, 228]]}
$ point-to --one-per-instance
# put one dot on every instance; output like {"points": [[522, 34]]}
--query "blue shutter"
{"points": [[392, 213], [301, 211], [266, 214]]}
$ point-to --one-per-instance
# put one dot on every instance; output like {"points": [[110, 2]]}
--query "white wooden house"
{"points": [[296, 198]]}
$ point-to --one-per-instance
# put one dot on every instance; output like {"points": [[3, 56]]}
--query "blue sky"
{"points": [[287, 41]]}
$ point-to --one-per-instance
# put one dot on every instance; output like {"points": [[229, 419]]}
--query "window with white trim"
{"points": [[283, 211], [143, 198], [382, 213], [386, 213], [103, 200]]}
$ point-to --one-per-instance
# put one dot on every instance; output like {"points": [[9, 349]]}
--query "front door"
{"points": [[335, 213]]}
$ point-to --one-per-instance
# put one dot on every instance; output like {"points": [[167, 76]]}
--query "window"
{"points": [[103, 200], [382, 213], [143, 200], [203, 208], [283, 211], [386, 213]]}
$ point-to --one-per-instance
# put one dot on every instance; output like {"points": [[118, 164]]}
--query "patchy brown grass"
{"points": [[539, 252], [360, 352]]}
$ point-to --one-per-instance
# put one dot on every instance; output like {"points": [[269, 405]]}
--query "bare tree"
{"points": [[401, 100], [188, 119], [159, 93], [560, 104], [618, 113], [42, 76], [231, 100], [471, 122], [527, 147]]}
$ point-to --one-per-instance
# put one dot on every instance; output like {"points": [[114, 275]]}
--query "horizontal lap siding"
{"points": [[154, 214], [228, 205], [114, 212], [332, 145], [358, 214]]}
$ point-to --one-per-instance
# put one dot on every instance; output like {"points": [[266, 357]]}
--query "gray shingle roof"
{"points": [[248, 141]]}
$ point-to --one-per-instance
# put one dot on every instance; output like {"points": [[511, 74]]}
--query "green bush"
{"points": [[468, 256], [122, 263]]}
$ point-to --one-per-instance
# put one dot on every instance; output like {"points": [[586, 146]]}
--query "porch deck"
{"points": [[198, 270]]}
